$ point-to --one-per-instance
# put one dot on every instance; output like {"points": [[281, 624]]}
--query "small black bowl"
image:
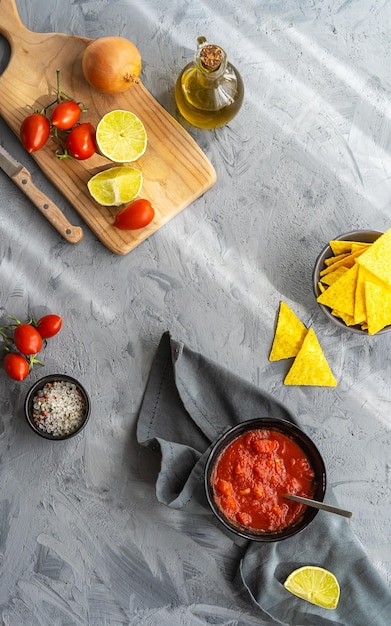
{"points": [[81, 395], [307, 446], [366, 236]]}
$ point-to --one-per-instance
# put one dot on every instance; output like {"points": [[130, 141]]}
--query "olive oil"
{"points": [[209, 91]]}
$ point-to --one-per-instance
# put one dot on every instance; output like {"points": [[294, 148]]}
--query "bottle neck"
{"points": [[211, 60]]}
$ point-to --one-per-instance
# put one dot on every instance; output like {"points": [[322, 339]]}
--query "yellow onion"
{"points": [[111, 64]]}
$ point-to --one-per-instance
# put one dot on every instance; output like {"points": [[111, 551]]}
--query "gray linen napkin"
{"points": [[189, 401]]}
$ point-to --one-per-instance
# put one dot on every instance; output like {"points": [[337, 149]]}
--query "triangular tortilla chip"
{"points": [[360, 245], [289, 335], [335, 258], [347, 261], [377, 259], [329, 279], [341, 246], [347, 319], [341, 294], [310, 367], [360, 310], [378, 305]]}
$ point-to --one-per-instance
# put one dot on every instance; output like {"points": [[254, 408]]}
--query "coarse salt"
{"points": [[59, 408]]}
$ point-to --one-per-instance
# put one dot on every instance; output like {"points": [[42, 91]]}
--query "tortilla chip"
{"points": [[348, 319], [378, 306], [289, 335], [334, 259], [360, 245], [340, 246], [360, 310], [377, 259], [329, 279], [347, 261], [310, 367], [341, 294]]}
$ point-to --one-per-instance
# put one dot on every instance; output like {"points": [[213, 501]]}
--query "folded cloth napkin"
{"points": [[188, 402]]}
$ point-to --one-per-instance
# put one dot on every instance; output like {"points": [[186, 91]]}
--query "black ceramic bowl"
{"points": [[367, 236], [307, 446], [63, 413]]}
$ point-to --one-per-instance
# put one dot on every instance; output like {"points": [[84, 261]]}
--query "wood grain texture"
{"points": [[175, 170]]}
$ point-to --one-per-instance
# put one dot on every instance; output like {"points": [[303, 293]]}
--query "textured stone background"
{"points": [[82, 538]]}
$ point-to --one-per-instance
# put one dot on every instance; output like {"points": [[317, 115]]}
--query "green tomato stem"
{"points": [[33, 361]]}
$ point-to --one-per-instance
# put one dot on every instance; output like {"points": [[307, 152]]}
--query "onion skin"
{"points": [[111, 64]]}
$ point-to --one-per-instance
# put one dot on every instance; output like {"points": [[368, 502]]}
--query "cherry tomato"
{"points": [[81, 141], [66, 114], [137, 214], [49, 325], [27, 339], [34, 132], [16, 366]]}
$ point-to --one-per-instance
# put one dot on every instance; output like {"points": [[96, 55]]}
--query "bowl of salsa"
{"points": [[249, 470]]}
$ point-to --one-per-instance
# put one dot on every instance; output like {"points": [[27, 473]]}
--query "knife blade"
{"points": [[23, 179]]}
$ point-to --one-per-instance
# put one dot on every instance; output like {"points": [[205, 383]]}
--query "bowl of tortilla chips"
{"points": [[352, 281]]}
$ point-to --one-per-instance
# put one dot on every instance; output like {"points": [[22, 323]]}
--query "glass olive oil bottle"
{"points": [[209, 91]]}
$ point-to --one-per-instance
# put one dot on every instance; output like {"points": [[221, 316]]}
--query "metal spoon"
{"points": [[318, 505]]}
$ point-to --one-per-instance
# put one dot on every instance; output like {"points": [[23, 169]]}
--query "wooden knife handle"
{"points": [[56, 217]]}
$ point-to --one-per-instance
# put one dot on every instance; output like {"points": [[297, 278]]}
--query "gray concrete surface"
{"points": [[83, 539]]}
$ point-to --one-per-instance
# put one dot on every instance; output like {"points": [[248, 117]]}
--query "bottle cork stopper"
{"points": [[211, 57]]}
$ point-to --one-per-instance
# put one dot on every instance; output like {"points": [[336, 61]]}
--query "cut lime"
{"points": [[121, 136], [115, 186], [314, 584]]}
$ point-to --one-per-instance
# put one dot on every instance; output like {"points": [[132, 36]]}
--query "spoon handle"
{"points": [[318, 505]]}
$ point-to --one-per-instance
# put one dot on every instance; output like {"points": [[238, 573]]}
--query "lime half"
{"points": [[121, 136], [115, 186], [314, 584]]}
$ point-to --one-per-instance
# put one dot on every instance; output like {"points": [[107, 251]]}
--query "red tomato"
{"points": [[66, 114], [49, 325], [27, 339], [16, 366], [81, 141], [137, 214], [34, 132]]}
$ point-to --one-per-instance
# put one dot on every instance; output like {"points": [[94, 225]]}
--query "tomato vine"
{"points": [[22, 341], [60, 120]]}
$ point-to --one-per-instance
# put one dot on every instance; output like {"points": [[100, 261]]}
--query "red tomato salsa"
{"points": [[253, 473]]}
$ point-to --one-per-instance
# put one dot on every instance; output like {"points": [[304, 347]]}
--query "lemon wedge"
{"points": [[314, 584], [121, 136], [116, 185]]}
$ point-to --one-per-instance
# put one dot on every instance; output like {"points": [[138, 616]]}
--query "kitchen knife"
{"points": [[22, 178]]}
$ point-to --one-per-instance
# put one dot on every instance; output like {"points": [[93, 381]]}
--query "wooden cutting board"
{"points": [[175, 170]]}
